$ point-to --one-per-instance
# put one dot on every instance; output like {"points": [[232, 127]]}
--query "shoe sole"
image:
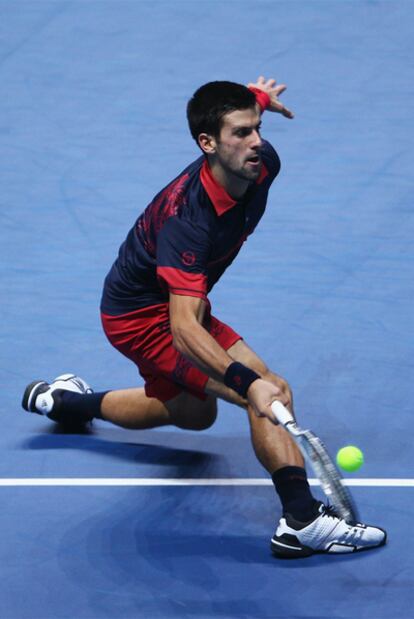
{"points": [[30, 394], [282, 550]]}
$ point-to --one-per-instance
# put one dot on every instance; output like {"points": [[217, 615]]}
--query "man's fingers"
{"points": [[269, 83], [279, 89], [287, 113], [277, 106]]}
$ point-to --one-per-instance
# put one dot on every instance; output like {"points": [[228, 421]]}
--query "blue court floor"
{"points": [[92, 125]]}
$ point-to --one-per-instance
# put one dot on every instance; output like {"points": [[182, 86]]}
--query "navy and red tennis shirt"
{"points": [[186, 238]]}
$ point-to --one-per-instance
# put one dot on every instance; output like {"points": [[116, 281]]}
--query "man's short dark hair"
{"points": [[208, 105]]}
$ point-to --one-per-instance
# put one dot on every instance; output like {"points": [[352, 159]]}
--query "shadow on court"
{"points": [[59, 438], [116, 452]]}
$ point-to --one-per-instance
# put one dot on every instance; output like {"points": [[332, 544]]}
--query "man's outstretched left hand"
{"points": [[269, 86]]}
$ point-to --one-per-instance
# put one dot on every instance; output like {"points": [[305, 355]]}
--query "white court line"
{"points": [[153, 481]]}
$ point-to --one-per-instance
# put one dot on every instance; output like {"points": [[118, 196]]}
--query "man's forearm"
{"points": [[195, 343]]}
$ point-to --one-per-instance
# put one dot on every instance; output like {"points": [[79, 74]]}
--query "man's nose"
{"points": [[256, 139]]}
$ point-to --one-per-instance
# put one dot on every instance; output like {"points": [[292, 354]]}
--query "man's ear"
{"points": [[207, 143]]}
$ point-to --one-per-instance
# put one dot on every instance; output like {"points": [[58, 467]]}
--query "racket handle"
{"points": [[281, 413]]}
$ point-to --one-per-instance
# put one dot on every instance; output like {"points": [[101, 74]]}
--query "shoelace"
{"points": [[329, 510]]}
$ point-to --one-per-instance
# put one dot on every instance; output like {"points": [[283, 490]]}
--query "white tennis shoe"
{"points": [[43, 398], [327, 533]]}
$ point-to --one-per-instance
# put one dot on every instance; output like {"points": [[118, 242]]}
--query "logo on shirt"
{"points": [[188, 258]]}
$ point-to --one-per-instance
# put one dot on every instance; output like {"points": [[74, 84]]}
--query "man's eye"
{"points": [[242, 133]]}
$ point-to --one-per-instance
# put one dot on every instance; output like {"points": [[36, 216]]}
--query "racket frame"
{"points": [[317, 456]]}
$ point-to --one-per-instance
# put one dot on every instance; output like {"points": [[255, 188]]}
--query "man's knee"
{"points": [[192, 414], [204, 419]]}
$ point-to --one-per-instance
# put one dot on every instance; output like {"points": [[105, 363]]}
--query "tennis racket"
{"points": [[316, 455]]}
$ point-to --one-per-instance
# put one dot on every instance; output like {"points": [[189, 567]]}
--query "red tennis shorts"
{"points": [[144, 336]]}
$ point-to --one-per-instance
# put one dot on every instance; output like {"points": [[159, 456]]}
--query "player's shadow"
{"points": [[189, 453], [140, 452]]}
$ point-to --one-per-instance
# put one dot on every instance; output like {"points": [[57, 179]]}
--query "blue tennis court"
{"points": [[169, 523]]}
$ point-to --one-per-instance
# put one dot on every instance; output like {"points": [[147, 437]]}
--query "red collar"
{"points": [[221, 200]]}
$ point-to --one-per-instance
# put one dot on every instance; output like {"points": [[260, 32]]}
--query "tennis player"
{"points": [[155, 311]]}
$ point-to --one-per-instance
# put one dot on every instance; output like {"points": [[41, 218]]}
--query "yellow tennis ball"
{"points": [[350, 458]]}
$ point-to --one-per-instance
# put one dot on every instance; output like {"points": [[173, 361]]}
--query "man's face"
{"points": [[238, 147]]}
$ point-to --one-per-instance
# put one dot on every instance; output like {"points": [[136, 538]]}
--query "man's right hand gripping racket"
{"points": [[316, 455]]}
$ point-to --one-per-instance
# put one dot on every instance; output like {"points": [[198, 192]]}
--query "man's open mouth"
{"points": [[255, 159]]}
